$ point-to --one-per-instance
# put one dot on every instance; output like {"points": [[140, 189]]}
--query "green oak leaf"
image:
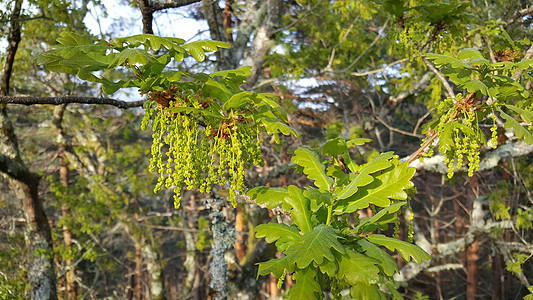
{"points": [[380, 214], [306, 286], [271, 197], [441, 60], [391, 184], [276, 266], [315, 246], [406, 250], [358, 268], [335, 147], [366, 292], [313, 168], [317, 198], [363, 178], [527, 116], [197, 49], [473, 86], [386, 262], [299, 207], [357, 142], [520, 131], [283, 235]]}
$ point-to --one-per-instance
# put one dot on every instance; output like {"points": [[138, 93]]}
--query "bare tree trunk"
{"points": [[131, 286], [71, 283], [497, 264], [472, 258], [41, 274], [147, 15], [155, 270], [138, 272], [240, 227], [472, 251]]}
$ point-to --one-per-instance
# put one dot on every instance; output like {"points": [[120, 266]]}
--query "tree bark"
{"points": [[240, 227], [472, 258], [155, 270], [497, 266], [138, 272], [13, 41], [41, 274], [71, 284]]}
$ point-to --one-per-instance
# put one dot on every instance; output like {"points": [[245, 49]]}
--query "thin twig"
{"points": [[396, 129], [380, 34], [518, 72], [334, 50], [297, 21], [420, 121], [380, 69], [447, 86], [430, 139]]}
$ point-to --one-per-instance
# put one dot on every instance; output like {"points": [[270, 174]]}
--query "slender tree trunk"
{"points": [[147, 15], [155, 271], [138, 272], [472, 258], [131, 286], [497, 266], [71, 284], [223, 240], [41, 274], [13, 40], [240, 227]]}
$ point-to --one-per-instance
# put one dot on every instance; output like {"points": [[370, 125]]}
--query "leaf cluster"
{"points": [[322, 248]]}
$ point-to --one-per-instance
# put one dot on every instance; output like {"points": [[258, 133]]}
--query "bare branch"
{"points": [[421, 85], [32, 100], [396, 129], [165, 4], [380, 69], [380, 34], [521, 13], [448, 87], [489, 161], [518, 73]]}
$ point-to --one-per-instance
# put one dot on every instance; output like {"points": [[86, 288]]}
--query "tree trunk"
{"points": [[240, 227], [41, 274], [472, 258], [223, 240], [71, 284], [497, 266], [155, 270], [138, 272]]}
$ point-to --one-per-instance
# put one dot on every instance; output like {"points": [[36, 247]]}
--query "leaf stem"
{"points": [[330, 211]]}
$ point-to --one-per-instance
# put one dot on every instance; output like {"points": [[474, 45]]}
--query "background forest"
{"points": [[78, 215]]}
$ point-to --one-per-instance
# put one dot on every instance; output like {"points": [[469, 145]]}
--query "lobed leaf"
{"points": [[520, 131], [313, 168], [197, 49], [391, 184], [363, 178], [358, 268], [299, 207], [315, 246], [306, 286], [271, 197], [386, 262], [276, 267], [382, 213], [283, 235], [406, 250]]}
